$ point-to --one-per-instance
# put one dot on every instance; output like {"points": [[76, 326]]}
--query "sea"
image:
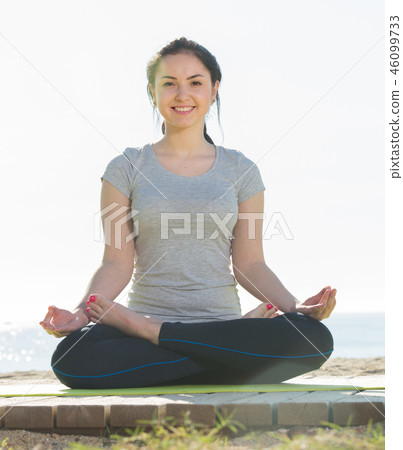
{"points": [[26, 347]]}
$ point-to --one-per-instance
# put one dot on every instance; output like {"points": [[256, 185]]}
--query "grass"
{"points": [[168, 434], [336, 437]]}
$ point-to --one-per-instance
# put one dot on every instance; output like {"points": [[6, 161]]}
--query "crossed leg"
{"points": [[126, 349]]}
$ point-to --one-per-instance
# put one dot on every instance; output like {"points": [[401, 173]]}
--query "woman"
{"points": [[180, 209]]}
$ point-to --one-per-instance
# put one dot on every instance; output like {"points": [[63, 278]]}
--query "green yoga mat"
{"points": [[45, 390]]}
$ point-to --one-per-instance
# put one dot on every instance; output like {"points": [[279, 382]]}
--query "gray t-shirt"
{"points": [[183, 233]]}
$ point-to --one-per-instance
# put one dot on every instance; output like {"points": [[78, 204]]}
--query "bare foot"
{"points": [[107, 312], [264, 310]]}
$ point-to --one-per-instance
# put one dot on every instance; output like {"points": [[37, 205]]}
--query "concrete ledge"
{"points": [[89, 415], [249, 414], [201, 414], [358, 413], [81, 416], [30, 417], [129, 415], [3, 410], [293, 413]]}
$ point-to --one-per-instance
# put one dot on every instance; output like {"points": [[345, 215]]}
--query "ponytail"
{"points": [[206, 136]]}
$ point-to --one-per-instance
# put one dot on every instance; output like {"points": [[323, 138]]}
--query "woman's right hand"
{"points": [[60, 322]]}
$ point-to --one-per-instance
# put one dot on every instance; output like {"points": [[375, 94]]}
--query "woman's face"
{"points": [[183, 90]]}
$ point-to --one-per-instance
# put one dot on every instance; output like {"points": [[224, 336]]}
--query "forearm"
{"points": [[109, 280], [262, 283]]}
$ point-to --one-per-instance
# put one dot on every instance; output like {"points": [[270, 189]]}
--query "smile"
{"points": [[183, 109]]}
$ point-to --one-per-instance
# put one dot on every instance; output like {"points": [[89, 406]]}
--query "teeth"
{"points": [[183, 109]]}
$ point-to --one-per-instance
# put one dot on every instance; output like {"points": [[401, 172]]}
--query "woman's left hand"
{"points": [[320, 306]]}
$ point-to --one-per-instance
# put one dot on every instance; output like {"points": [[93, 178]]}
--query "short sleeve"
{"points": [[250, 180], [119, 173]]}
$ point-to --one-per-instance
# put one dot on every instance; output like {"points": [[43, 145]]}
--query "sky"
{"points": [[302, 95]]}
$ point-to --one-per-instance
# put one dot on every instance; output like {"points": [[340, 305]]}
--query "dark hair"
{"points": [[183, 45]]}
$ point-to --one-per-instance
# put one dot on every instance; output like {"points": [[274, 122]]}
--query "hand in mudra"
{"points": [[320, 306], [60, 322]]}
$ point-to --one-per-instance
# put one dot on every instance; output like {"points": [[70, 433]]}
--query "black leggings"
{"points": [[241, 351]]}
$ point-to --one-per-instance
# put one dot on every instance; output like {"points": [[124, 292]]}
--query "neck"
{"points": [[184, 142]]}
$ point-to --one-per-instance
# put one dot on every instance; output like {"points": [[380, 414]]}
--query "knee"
{"points": [[321, 337], [313, 332], [67, 357], [326, 338]]}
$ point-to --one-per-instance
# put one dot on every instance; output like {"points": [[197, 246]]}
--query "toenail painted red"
{"points": [[92, 298], [269, 306]]}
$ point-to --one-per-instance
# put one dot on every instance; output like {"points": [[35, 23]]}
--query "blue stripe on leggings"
{"points": [[246, 353], [117, 373]]}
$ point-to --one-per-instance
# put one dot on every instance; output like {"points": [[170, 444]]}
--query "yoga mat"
{"points": [[45, 390]]}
